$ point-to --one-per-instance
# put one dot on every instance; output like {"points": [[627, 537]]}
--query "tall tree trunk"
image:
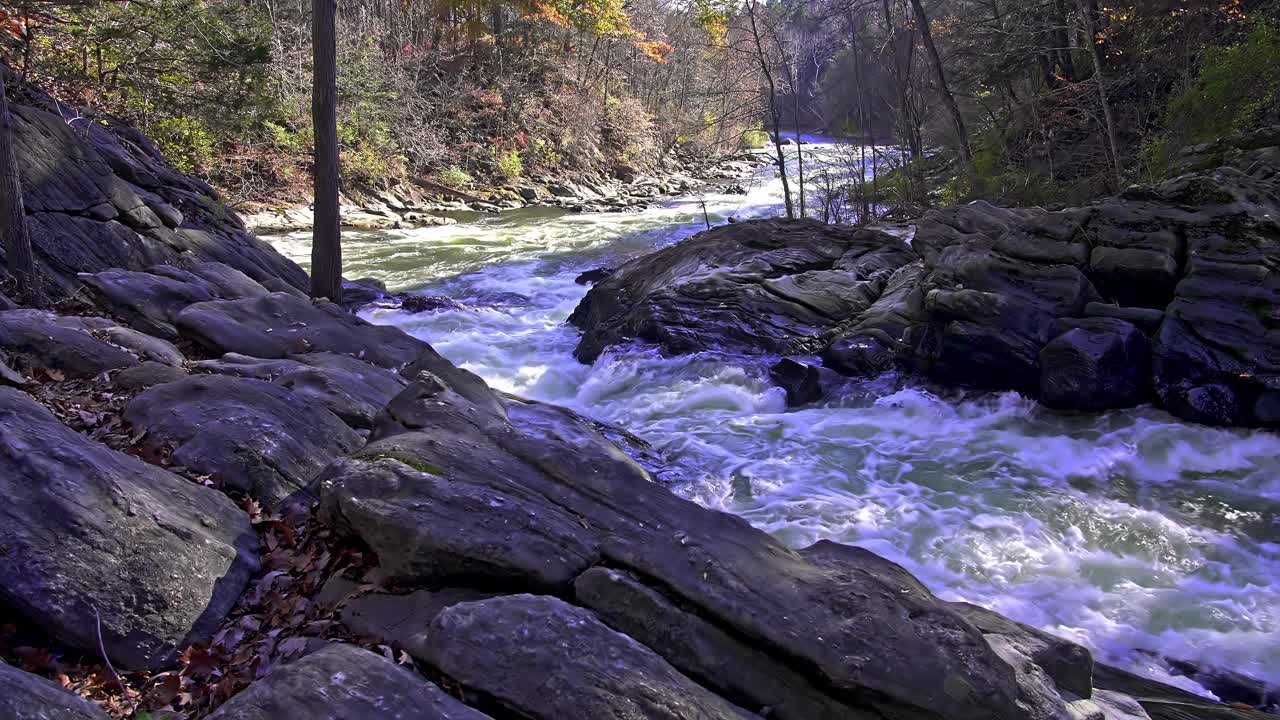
{"points": [[948, 100], [795, 110], [773, 110], [1099, 78], [326, 237], [17, 241]]}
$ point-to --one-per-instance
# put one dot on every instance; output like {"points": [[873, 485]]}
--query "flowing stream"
{"points": [[1133, 533]]}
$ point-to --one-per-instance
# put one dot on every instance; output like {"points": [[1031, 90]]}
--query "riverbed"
{"points": [[1133, 533]]}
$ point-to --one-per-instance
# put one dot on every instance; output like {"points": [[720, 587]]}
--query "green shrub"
{"points": [[185, 142], [454, 177], [755, 139], [1237, 85], [509, 164]]}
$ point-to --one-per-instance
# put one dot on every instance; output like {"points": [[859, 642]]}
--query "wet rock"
{"points": [[541, 498], [6, 303], [1164, 702], [91, 530], [255, 437], [1068, 664], [350, 388], [361, 292], [860, 356], [767, 286], [24, 696], [278, 325], [553, 661], [593, 276], [1095, 364], [802, 383], [428, 303], [343, 682], [704, 652], [39, 339]]}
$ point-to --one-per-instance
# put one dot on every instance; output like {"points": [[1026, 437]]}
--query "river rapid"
{"points": [[1133, 533]]}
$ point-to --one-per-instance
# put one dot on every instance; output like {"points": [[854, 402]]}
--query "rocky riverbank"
{"points": [[425, 203], [1166, 294], [226, 500]]}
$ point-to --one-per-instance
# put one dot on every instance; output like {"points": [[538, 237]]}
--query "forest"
{"points": [[1020, 101], [639, 359]]}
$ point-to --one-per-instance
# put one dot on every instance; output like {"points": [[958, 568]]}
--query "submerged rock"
{"points": [[802, 383], [91, 532]]}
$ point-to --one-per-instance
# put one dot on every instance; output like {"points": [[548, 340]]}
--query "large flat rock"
{"points": [[280, 324], [344, 682], [534, 499], [766, 286], [552, 661], [90, 530], [34, 338], [350, 388], [254, 436]]}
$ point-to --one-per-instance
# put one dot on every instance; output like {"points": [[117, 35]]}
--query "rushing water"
{"points": [[1126, 531]]}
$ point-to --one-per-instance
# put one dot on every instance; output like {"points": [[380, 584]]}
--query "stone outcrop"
{"points": [[1166, 293], [90, 532], [252, 436], [98, 195], [344, 682], [519, 546]]}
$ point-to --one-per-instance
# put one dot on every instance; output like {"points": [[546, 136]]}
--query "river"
{"points": [[1126, 531]]}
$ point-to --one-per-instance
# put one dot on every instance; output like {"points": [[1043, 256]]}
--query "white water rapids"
{"points": [[1125, 531]]}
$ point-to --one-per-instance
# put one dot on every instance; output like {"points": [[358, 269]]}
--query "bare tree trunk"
{"points": [[795, 109], [948, 100], [17, 241], [773, 109], [326, 237], [1100, 78]]}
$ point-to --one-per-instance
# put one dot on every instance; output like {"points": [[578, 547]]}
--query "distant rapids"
{"points": [[1127, 531]]}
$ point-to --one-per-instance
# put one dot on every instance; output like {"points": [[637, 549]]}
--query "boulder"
{"points": [[593, 276], [706, 653], [1095, 364], [35, 338], [255, 437], [768, 286], [343, 682], [533, 498], [279, 325], [351, 389], [89, 531], [100, 196], [1068, 664], [802, 383], [148, 301], [860, 356], [24, 696], [552, 661]]}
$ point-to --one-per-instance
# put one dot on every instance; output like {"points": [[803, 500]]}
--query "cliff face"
{"points": [[99, 195]]}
